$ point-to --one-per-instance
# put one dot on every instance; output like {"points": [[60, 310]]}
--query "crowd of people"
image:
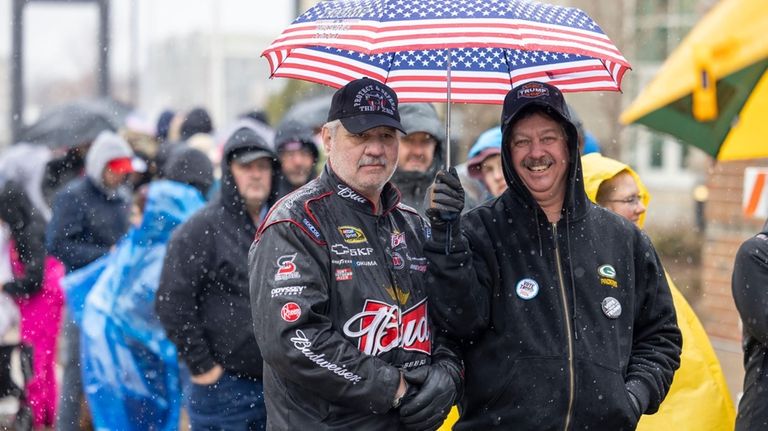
{"points": [[336, 275]]}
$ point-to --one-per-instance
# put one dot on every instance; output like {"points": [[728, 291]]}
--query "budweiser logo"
{"points": [[377, 330]]}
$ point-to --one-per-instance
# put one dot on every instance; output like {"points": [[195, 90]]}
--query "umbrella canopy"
{"points": [[712, 92], [483, 48], [72, 124]]}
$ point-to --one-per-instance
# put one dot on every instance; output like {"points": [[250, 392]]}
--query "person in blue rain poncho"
{"points": [[130, 368]]}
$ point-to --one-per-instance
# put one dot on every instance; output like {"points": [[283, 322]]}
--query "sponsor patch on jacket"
{"points": [[310, 227], [348, 193], [607, 275], [287, 291], [303, 344], [397, 261], [357, 263], [398, 239], [381, 327], [527, 288], [290, 312], [398, 294], [344, 274], [343, 250], [352, 235], [286, 269]]}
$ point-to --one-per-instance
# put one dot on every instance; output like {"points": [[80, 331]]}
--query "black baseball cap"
{"points": [[363, 104], [535, 94]]}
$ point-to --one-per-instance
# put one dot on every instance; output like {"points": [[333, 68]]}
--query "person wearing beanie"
{"points": [[421, 152], [190, 166], [203, 301], [196, 121], [484, 161], [562, 308], [298, 154], [88, 217]]}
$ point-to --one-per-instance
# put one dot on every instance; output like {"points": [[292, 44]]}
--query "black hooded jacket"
{"points": [[750, 292], [203, 299], [28, 232], [558, 321]]}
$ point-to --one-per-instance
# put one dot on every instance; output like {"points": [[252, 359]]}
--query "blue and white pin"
{"points": [[527, 288]]}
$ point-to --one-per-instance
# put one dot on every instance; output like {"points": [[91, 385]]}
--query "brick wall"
{"points": [[727, 228]]}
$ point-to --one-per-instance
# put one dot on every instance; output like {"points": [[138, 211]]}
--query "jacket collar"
{"points": [[390, 196]]}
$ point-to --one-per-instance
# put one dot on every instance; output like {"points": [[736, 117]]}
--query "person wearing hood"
{"points": [[699, 396], [421, 153], [561, 306], [748, 285], [484, 162], [119, 309], [297, 150], [203, 299], [88, 217]]}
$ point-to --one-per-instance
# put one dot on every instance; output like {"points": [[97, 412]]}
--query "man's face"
{"points": [[113, 180], [365, 161], [540, 156], [253, 179], [417, 150], [493, 175], [297, 166]]}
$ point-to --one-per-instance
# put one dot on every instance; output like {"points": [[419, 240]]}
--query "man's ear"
{"points": [[326, 137]]}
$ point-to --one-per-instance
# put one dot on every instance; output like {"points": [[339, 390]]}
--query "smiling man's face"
{"points": [[540, 156]]}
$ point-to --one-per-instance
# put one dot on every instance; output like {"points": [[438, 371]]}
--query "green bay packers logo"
{"points": [[352, 235], [607, 276]]}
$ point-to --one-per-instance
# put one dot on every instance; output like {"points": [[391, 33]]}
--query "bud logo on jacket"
{"points": [[607, 275], [532, 90], [290, 312], [380, 328], [352, 235], [350, 194], [398, 239], [286, 269]]}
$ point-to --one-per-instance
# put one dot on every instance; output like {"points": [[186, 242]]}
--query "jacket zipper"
{"points": [[568, 331]]}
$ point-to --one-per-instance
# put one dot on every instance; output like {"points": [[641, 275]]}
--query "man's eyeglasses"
{"points": [[633, 200]]}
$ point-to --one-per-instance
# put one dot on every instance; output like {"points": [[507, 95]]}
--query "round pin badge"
{"points": [[527, 288], [611, 307]]}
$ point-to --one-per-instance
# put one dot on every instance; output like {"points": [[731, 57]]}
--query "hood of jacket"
{"points": [[420, 117], [598, 169], [107, 146], [575, 202], [190, 166], [241, 139], [169, 204]]}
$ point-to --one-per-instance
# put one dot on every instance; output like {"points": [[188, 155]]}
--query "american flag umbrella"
{"points": [[470, 51]]}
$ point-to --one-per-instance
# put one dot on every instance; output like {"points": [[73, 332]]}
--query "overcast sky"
{"points": [[58, 38]]}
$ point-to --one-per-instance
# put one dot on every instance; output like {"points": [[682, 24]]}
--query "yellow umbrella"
{"points": [[712, 92]]}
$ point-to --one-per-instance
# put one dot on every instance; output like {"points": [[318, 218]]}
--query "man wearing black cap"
{"points": [[337, 288], [562, 308], [202, 300]]}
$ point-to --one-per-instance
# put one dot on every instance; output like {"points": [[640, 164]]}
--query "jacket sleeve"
{"points": [[657, 342], [293, 329], [750, 286], [29, 245], [461, 276], [182, 281], [65, 235]]}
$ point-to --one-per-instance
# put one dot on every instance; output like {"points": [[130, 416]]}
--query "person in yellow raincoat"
{"points": [[698, 398]]}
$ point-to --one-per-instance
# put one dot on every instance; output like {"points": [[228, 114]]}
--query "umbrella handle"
{"points": [[448, 111]]}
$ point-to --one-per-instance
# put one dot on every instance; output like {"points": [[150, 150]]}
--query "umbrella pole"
{"points": [[448, 112]]}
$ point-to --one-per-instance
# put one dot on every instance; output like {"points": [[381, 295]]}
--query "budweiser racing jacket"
{"points": [[339, 306]]}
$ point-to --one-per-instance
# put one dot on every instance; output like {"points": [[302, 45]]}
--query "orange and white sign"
{"points": [[755, 200]]}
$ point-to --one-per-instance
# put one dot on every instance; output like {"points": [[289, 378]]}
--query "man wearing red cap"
{"points": [[89, 215]]}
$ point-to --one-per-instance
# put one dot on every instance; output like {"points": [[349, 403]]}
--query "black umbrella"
{"points": [[72, 124]]}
